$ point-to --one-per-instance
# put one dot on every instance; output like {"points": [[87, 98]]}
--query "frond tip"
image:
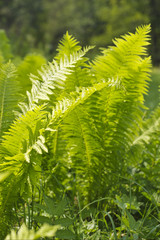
{"points": [[68, 45]]}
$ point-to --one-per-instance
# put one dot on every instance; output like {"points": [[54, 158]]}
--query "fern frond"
{"points": [[67, 105], [150, 126], [52, 77], [9, 95], [84, 149], [136, 42], [67, 46], [80, 77], [119, 61], [19, 131]]}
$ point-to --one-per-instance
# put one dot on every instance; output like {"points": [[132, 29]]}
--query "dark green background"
{"points": [[40, 24]]}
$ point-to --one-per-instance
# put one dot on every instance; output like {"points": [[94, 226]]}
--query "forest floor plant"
{"points": [[80, 151]]}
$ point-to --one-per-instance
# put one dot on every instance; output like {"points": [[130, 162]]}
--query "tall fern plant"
{"points": [[79, 123]]}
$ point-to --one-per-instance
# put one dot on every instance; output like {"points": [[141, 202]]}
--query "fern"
{"points": [[9, 95], [52, 78], [124, 102], [16, 154], [80, 123], [23, 174], [28, 131], [99, 134]]}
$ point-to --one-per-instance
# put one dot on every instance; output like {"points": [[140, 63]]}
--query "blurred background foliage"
{"points": [[38, 25]]}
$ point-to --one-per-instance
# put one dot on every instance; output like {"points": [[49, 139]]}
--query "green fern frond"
{"points": [[9, 95], [84, 149], [150, 127], [80, 77], [67, 105], [136, 42], [67, 46], [119, 61], [52, 77], [19, 131]]}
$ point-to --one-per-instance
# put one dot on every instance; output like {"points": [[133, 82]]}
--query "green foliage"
{"points": [[24, 233], [57, 214], [81, 135], [10, 95]]}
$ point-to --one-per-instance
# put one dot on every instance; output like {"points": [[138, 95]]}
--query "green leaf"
{"points": [[40, 206], [43, 219], [54, 208], [132, 222], [66, 222], [65, 234]]}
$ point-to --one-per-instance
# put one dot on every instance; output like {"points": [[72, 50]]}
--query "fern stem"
{"points": [[32, 205], [24, 212], [29, 216]]}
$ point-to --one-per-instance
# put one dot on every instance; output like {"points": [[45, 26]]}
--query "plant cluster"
{"points": [[78, 151]]}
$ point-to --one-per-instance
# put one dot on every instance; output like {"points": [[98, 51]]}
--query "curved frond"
{"points": [[52, 77], [19, 131], [119, 61]]}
